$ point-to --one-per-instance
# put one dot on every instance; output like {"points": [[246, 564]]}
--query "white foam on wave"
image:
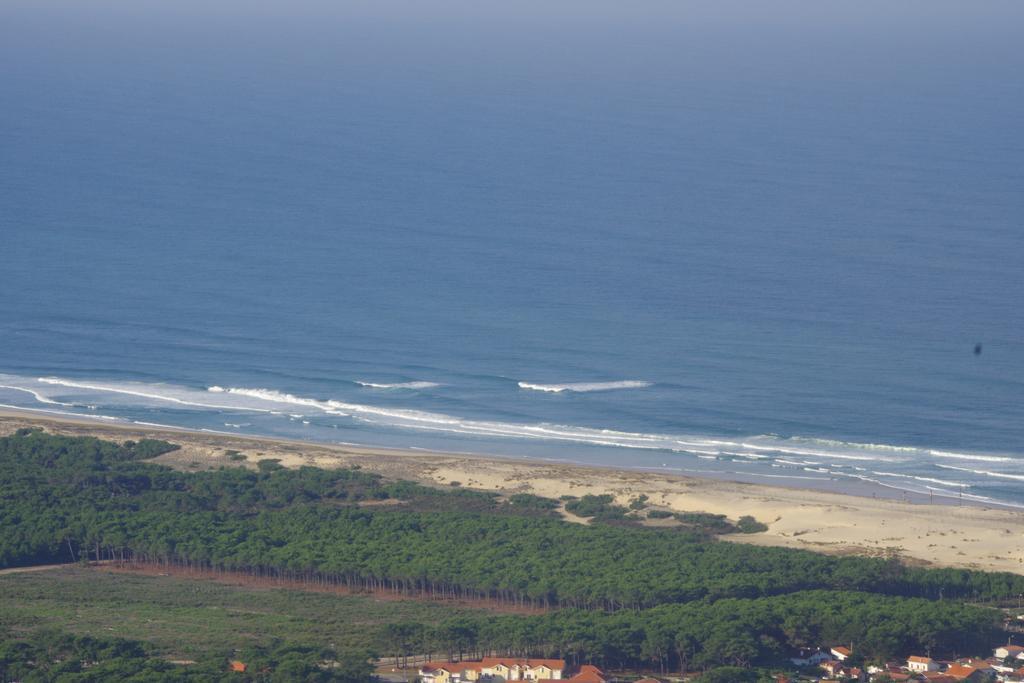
{"points": [[970, 456], [583, 387], [139, 390], [784, 448], [154, 424], [68, 413], [38, 396], [941, 482], [984, 473], [814, 455], [854, 444], [428, 421], [398, 385]]}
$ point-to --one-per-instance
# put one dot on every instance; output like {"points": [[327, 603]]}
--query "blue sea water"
{"points": [[754, 242]]}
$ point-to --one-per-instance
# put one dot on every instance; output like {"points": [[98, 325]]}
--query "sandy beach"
{"points": [[939, 535]]}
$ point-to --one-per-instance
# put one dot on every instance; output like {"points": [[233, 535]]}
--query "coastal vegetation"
{"points": [[612, 592], [53, 655]]}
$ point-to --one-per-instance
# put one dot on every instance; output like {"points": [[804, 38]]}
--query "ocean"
{"points": [[754, 243]]}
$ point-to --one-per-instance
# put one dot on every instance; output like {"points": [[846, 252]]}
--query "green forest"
{"points": [[612, 593], [53, 655]]}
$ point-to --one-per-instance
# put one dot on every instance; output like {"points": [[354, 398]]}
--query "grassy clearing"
{"points": [[189, 619]]}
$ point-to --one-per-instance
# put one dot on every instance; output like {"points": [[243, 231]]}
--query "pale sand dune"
{"points": [[946, 535]]}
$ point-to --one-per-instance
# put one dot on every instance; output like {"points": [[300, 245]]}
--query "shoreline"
{"points": [[839, 486], [939, 534]]}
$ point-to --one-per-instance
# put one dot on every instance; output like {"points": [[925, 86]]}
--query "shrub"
{"points": [[638, 503], [707, 522], [531, 502], [600, 507], [749, 525]]}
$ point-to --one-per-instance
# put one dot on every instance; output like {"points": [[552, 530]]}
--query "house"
{"points": [[963, 672], [449, 672], [921, 664], [500, 669], [841, 653], [959, 671], [980, 664], [589, 674], [237, 667], [936, 677], [512, 669], [1005, 651]]}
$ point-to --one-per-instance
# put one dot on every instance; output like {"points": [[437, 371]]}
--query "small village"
{"points": [[839, 663], [1006, 665]]}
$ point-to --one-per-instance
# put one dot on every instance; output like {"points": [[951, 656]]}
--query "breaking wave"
{"points": [[582, 387], [68, 413], [398, 385], [970, 456], [39, 397], [984, 473], [129, 389], [905, 467]]}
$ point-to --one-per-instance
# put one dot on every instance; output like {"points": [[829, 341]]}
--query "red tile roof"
{"points": [[528, 662], [959, 671], [981, 664], [919, 660], [588, 674], [842, 650]]}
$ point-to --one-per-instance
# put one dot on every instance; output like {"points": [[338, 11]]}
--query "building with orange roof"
{"points": [[237, 667], [841, 653], [498, 669], [449, 672], [921, 664], [936, 677], [589, 674], [974, 662], [960, 671]]}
